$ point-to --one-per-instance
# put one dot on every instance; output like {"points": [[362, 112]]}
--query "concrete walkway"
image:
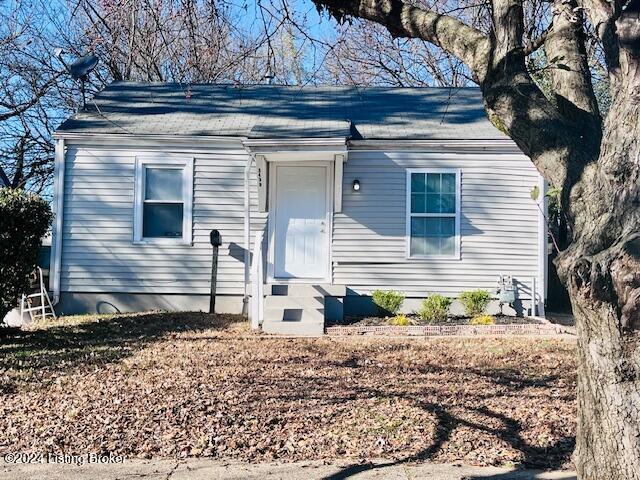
{"points": [[204, 469]]}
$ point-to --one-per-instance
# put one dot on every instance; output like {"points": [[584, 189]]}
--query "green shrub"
{"points": [[434, 308], [24, 219], [482, 320], [389, 301], [475, 302], [401, 320]]}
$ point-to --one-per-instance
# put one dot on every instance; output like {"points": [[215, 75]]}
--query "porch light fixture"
{"points": [[356, 185]]}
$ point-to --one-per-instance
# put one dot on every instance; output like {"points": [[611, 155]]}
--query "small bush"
{"points": [[434, 308], [475, 302], [401, 320], [24, 219], [389, 301], [482, 320]]}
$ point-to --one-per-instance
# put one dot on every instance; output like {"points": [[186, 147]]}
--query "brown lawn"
{"points": [[165, 385]]}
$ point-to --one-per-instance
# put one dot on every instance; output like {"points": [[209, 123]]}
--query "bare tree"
{"points": [[364, 53], [183, 41], [28, 112], [186, 41], [594, 163]]}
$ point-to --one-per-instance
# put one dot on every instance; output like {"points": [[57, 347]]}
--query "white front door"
{"points": [[301, 235]]}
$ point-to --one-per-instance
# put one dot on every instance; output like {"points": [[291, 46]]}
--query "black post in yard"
{"points": [[216, 241]]}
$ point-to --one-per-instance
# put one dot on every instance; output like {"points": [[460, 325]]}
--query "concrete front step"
{"points": [[304, 328], [276, 301], [297, 308], [304, 290], [280, 314]]}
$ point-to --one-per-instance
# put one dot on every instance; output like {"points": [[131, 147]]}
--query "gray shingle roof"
{"points": [[270, 111]]}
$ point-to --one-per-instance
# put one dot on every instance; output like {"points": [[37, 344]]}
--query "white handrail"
{"points": [[257, 285]]}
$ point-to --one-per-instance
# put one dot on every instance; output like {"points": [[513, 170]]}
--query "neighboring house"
{"points": [[355, 189]]}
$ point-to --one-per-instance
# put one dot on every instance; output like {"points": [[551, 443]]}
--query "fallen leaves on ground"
{"points": [[191, 384]]}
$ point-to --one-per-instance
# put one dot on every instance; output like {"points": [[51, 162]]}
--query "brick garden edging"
{"points": [[450, 330]]}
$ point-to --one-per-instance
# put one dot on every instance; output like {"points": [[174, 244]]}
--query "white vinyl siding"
{"points": [[98, 254], [498, 224]]}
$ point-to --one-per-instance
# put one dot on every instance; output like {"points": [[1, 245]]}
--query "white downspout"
{"points": [[58, 208], [543, 254], [544, 247], [247, 232]]}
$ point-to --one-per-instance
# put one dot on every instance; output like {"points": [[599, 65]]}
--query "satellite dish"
{"points": [[81, 67]]}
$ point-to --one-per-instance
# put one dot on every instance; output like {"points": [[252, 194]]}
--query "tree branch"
{"points": [[517, 106], [508, 28], [570, 75], [513, 101], [538, 42], [602, 14], [628, 35], [15, 110], [404, 20]]}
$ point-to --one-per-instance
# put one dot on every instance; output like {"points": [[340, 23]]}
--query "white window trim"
{"points": [[456, 255], [166, 161]]}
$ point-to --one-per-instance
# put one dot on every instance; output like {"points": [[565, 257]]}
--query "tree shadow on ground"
{"points": [[534, 457], [97, 341], [499, 425], [544, 458], [521, 475], [446, 424], [522, 384]]}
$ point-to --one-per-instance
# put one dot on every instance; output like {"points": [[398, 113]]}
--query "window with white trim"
{"points": [[164, 199], [433, 213]]}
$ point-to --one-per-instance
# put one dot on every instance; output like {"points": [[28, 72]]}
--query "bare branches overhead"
{"points": [[28, 80], [422, 42], [405, 20]]}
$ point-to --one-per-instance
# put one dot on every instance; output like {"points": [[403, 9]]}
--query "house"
{"points": [[333, 191]]}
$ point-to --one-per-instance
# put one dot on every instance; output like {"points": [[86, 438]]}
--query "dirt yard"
{"points": [[189, 384]]}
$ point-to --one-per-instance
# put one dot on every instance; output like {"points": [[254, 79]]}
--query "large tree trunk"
{"points": [[608, 439], [600, 185], [602, 269], [597, 169]]}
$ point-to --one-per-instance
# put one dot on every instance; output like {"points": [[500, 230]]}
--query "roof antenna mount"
{"points": [[79, 69], [269, 76]]}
